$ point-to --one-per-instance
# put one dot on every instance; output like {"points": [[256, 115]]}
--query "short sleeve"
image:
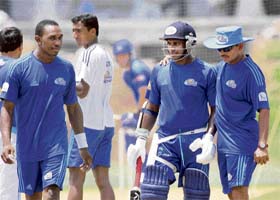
{"points": [[211, 86], [154, 95], [256, 88], [10, 88], [70, 96]]}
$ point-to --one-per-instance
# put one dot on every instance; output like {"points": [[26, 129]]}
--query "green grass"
{"points": [[272, 50], [273, 192]]}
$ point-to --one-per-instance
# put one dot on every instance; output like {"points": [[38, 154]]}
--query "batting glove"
{"points": [[208, 149], [139, 148]]}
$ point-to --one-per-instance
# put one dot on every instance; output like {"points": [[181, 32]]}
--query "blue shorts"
{"points": [[36, 176], [99, 146], [177, 152], [235, 170]]}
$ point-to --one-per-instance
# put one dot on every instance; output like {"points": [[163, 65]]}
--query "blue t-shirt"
{"points": [[183, 93], [241, 92], [39, 91], [5, 62], [137, 77]]}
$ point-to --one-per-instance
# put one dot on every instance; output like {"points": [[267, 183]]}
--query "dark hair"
{"points": [[10, 39], [41, 25], [88, 20]]}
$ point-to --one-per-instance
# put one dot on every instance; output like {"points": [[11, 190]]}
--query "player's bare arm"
{"points": [[6, 125], [149, 116], [142, 99], [261, 155], [211, 125], [76, 119], [146, 122], [82, 88]]}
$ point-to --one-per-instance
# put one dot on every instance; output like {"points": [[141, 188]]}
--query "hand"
{"points": [[261, 156], [87, 160], [165, 60], [208, 149], [139, 148], [82, 88], [8, 154]]}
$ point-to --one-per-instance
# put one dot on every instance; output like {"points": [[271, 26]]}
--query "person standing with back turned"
{"points": [[11, 41], [37, 86], [94, 70], [241, 92]]}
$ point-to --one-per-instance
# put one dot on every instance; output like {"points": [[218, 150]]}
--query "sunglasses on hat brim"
{"points": [[227, 49]]}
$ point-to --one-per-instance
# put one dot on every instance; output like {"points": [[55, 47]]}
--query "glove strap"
{"points": [[142, 133], [208, 136]]}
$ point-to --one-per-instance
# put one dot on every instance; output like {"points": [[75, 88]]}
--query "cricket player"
{"points": [[136, 75], [94, 72], [241, 92], [180, 95], [37, 87], [11, 41]]}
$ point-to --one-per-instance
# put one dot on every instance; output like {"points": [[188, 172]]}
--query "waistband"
{"points": [[195, 131]]}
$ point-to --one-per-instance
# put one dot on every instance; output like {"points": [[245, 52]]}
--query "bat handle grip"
{"points": [[138, 172]]}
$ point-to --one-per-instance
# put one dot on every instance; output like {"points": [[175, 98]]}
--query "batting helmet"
{"points": [[122, 46], [181, 31]]}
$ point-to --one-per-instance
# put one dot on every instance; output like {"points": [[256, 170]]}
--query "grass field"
{"points": [[256, 193]]}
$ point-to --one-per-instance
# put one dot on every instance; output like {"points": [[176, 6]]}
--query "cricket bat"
{"points": [[135, 191]]}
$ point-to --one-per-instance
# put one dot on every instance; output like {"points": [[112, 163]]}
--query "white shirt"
{"points": [[94, 65]]}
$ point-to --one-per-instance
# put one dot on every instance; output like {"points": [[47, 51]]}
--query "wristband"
{"points": [[150, 112], [142, 133], [81, 140]]}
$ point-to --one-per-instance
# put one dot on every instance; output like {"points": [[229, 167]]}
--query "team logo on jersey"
{"points": [[190, 82], [231, 84], [171, 30], [139, 78], [262, 96], [107, 77], [29, 187], [48, 176], [60, 81], [5, 87], [162, 151], [149, 87], [229, 176], [222, 39]]}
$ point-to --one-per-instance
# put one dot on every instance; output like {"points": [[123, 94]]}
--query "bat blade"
{"points": [[135, 191]]}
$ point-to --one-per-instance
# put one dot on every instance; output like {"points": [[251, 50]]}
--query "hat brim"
{"points": [[172, 38], [211, 43]]}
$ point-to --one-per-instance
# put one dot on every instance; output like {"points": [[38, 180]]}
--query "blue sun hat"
{"points": [[225, 37]]}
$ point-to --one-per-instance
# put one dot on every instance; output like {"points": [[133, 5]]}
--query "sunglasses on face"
{"points": [[226, 49]]}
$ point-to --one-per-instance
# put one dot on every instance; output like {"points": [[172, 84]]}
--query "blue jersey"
{"points": [[241, 92], [5, 62], [136, 77], [183, 93], [39, 91]]}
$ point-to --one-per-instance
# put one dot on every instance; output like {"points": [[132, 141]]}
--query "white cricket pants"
{"points": [[8, 177]]}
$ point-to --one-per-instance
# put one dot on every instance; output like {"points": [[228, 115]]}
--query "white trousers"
{"points": [[8, 176]]}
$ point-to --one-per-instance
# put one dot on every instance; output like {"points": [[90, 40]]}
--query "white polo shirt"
{"points": [[95, 66]]}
